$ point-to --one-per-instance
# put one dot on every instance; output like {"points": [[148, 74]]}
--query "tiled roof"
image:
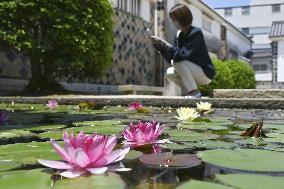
{"points": [[277, 29]]}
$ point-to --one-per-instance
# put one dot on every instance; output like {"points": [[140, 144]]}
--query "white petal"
{"points": [[72, 173], [99, 170]]}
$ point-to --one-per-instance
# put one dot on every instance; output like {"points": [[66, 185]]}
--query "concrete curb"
{"points": [[173, 101]]}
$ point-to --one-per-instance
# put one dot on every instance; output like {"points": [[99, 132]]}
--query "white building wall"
{"points": [[280, 62], [260, 16], [263, 76], [242, 44], [261, 2], [145, 10]]}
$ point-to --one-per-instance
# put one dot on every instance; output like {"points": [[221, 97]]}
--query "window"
{"points": [[261, 68], [259, 30], [206, 23], [245, 31], [245, 10], [276, 8], [122, 4], [132, 6], [228, 12]]}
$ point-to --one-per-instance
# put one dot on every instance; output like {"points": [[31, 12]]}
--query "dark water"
{"points": [[143, 176]]}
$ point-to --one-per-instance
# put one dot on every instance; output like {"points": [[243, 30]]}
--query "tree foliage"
{"points": [[62, 38]]}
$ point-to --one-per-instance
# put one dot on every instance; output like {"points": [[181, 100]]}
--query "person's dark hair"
{"points": [[182, 14]]}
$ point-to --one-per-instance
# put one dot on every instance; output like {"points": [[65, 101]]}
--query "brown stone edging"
{"points": [[243, 103], [248, 93]]}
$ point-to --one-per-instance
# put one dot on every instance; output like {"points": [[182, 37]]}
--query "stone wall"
{"points": [[133, 56]]}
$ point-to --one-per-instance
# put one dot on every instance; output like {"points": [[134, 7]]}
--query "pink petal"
{"points": [[110, 144], [55, 164], [99, 170], [81, 158], [127, 135], [69, 149], [96, 149], [138, 136], [72, 173], [115, 156], [60, 151]]}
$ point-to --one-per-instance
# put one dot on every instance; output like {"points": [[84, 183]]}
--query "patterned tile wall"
{"points": [[14, 65], [133, 56]]}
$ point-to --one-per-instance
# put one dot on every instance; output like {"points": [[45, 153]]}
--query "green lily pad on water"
{"points": [[88, 127], [187, 136], [275, 138], [104, 181], [14, 133], [212, 144], [173, 146], [246, 181], [204, 126], [25, 179], [132, 154], [26, 153], [245, 159], [32, 127], [252, 141], [194, 184]]}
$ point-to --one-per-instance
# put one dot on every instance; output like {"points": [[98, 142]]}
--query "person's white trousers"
{"points": [[187, 75]]}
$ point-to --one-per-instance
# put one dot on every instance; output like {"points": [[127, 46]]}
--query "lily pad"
{"points": [[14, 133], [211, 144], [245, 159], [25, 179], [174, 146], [167, 160], [32, 127], [182, 136], [252, 141], [132, 154], [246, 181], [204, 126], [194, 184], [275, 138], [89, 127], [109, 181], [26, 153]]}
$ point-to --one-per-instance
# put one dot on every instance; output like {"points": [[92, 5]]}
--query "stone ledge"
{"points": [[248, 93], [173, 101]]}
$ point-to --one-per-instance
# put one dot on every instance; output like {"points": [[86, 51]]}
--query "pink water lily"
{"points": [[3, 117], [135, 105], [86, 154], [143, 133], [52, 104]]}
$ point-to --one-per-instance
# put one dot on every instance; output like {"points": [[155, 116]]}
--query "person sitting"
{"points": [[191, 64]]}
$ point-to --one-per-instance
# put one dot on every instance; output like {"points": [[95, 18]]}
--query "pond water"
{"points": [[204, 154]]}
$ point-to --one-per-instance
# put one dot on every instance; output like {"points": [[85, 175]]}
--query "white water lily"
{"points": [[187, 114], [204, 106]]}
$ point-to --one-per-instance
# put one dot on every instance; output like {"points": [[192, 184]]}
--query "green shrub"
{"points": [[243, 75], [222, 80], [62, 38]]}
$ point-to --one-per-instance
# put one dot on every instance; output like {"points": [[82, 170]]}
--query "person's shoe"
{"points": [[193, 94]]}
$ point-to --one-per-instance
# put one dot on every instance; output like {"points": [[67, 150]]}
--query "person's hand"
{"points": [[155, 40]]}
